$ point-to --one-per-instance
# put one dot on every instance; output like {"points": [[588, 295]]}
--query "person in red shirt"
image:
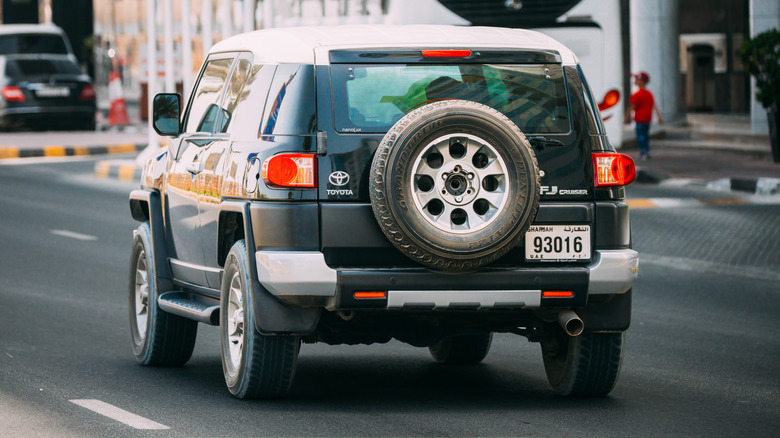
{"points": [[642, 103]]}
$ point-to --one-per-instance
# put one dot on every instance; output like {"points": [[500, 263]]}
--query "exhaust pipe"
{"points": [[571, 323]]}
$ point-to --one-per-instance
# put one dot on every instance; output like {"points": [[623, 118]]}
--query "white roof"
{"points": [[300, 45], [6, 29]]}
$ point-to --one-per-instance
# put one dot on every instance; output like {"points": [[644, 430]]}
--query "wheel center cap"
{"points": [[458, 184]]}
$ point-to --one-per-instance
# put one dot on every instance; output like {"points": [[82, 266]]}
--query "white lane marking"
{"points": [[73, 235], [121, 415]]}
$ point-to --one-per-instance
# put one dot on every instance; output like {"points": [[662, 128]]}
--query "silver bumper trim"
{"points": [[296, 273], [613, 271], [305, 273], [463, 299]]}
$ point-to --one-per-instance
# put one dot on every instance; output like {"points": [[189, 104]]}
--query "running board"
{"points": [[191, 306]]}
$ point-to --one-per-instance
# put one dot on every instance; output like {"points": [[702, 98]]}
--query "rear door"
{"points": [[203, 127]]}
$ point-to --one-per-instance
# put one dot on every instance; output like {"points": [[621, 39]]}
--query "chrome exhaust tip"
{"points": [[571, 323]]}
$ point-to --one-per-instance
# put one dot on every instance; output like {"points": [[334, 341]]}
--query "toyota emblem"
{"points": [[339, 178]]}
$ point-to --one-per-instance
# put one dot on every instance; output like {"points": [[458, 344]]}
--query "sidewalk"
{"points": [[707, 148]]}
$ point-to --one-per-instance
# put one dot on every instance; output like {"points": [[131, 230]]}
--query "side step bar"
{"points": [[191, 306]]}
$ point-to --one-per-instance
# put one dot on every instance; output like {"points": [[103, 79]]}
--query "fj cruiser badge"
{"points": [[339, 178], [553, 190]]}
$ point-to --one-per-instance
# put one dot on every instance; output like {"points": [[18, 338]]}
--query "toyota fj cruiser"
{"points": [[357, 184]]}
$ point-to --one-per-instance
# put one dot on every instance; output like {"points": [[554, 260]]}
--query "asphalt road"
{"points": [[702, 353]]}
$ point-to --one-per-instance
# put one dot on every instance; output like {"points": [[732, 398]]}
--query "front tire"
{"points": [[254, 365], [159, 338], [584, 365], [463, 349]]}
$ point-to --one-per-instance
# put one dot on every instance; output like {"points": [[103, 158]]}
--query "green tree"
{"points": [[761, 58]]}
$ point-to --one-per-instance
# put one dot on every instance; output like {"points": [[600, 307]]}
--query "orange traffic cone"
{"points": [[117, 113]]}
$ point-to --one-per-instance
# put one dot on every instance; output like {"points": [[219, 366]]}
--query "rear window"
{"points": [[20, 68], [32, 43], [371, 98]]}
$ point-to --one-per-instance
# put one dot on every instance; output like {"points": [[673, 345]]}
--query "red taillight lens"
{"points": [[613, 169], [291, 170], [610, 99], [87, 93], [13, 94], [446, 53]]}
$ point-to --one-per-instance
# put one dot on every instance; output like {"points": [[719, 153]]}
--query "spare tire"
{"points": [[454, 185]]}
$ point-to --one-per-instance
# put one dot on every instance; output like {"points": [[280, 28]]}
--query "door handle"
{"points": [[195, 167]]}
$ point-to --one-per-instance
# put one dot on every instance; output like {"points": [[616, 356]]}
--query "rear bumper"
{"points": [[304, 276]]}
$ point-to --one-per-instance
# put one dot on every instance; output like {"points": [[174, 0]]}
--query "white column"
{"points": [[151, 78], [764, 15], [170, 83], [208, 32], [249, 15], [225, 10], [186, 49], [655, 49]]}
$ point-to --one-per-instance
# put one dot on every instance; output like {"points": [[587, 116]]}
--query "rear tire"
{"points": [[584, 365], [254, 365], [463, 349], [159, 338]]}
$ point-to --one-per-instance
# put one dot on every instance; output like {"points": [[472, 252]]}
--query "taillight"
{"points": [[446, 53], [13, 94], [610, 99], [291, 170], [612, 169], [87, 93]]}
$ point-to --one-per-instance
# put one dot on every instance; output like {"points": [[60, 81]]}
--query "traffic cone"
{"points": [[117, 113]]}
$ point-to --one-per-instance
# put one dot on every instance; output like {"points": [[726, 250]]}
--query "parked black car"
{"points": [[41, 84]]}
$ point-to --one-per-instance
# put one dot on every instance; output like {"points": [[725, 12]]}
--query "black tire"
{"points": [[257, 366], [463, 349], [488, 175], [584, 365], [159, 338]]}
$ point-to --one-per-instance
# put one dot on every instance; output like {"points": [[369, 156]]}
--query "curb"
{"points": [[119, 169], [755, 186], [69, 151]]}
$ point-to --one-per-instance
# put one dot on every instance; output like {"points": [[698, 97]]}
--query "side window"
{"points": [[246, 95], [291, 106], [205, 114]]}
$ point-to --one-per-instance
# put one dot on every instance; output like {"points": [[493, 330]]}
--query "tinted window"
{"points": [[371, 98], [246, 94], [30, 43], [20, 68], [204, 114], [290, 108]]}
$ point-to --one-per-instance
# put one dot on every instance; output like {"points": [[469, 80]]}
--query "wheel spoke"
{"points": [[493, 168], [444, 218], [426, 197], [494, 198], [425, 169], [473, 219], [472, 147]]}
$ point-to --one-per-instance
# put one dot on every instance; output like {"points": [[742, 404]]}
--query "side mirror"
{"points": [[166, 114]]}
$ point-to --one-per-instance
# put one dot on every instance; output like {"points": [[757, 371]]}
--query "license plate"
{"points": [[53, 92], [553, 243]]}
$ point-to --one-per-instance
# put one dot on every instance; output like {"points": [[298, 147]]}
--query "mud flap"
{"points": [[613, 315]]}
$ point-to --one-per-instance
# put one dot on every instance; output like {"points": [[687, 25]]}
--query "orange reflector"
{"points": [[446, 53], [611, 169], [557, 294], [290, 170], [359, 295], [610, 99]]}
